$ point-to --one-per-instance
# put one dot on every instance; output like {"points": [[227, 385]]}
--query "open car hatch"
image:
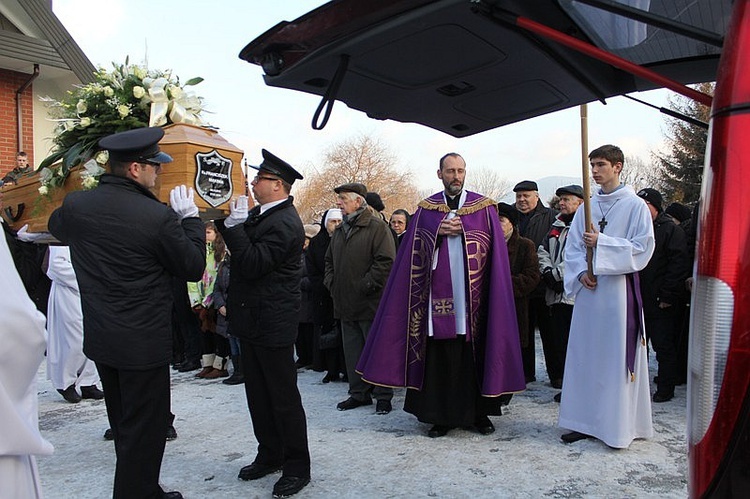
{"points": [[463, 67]]}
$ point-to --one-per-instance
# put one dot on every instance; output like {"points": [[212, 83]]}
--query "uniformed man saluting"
{"points": [[125, 246]]}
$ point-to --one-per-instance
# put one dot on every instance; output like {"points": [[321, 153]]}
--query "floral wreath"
{"points": [[128, 97]]}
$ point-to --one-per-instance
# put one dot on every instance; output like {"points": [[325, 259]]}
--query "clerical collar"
{"points": [[453, 202], [265, 207]]}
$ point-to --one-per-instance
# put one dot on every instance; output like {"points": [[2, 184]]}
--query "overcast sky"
{"points": [[200, 38]]}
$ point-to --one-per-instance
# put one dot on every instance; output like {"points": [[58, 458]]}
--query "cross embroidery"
{"points": [[442, 307]]}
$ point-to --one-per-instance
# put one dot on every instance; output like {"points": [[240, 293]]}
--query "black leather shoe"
{"points": [[484, 425], [574, 436], [108, 435], [91, 392], [189, 365], [556, 383], [235, 379], [289, 485], [258, 470], [663, 396], [171, 495], [171, 433], [352, 403], [383, 407], [439, 431], [70, 394]]}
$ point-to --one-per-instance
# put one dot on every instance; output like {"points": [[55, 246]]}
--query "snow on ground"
{"points": [[360, 454]]}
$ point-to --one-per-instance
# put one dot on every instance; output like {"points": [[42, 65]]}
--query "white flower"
{"points": [[85, 121], [89, 182], [123, 110], [102, 157], [108, 91], [43, 190], [81, 106], [175, 92], [139, 72], [138, 92]]}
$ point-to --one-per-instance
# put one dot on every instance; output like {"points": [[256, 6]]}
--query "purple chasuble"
{"points": [[394, 352]]}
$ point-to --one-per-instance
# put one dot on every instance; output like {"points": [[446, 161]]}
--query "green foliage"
{"points": [[682, 169]]}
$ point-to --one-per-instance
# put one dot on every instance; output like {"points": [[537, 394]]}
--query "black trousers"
{"points": [[275, 406], [138, 408], [661, 330], [562, 315], [539, 316]]}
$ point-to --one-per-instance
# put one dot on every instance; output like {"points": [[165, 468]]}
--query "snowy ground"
{"points": [[360, 454]]}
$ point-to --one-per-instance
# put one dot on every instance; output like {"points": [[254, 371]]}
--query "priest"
{"points": [[446, 327]]}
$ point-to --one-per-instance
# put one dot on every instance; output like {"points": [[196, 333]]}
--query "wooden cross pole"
{"points": [[585, 182]]}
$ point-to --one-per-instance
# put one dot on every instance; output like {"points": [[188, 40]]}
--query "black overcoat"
{"points": [[265, 271], [126, 246]]}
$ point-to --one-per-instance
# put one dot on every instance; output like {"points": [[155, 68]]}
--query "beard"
{"points": [[453, 189]]}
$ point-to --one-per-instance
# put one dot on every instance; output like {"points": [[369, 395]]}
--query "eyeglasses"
{"points": [[258, 178]]}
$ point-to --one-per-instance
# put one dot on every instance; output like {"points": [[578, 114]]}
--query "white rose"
{"points": [[175, 92], [85, 121], [139, 72], [89, 182], [102, 157], [43, 190], [108, 91], [138, 92], [81, 106], [123, 110]]}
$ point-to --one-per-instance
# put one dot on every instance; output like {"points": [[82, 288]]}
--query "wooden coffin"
{"points": [[202, 159]]}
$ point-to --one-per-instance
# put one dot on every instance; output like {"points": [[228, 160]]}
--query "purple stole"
{"points": [[634, 333], [394, 352]]}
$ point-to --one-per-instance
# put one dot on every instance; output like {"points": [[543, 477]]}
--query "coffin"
{"points": [[202, 159]]}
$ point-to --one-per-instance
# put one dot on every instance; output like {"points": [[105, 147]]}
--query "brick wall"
{"points": [[10, 82]]}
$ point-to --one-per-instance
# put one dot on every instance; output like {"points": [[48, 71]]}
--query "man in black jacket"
{"points": [[662, 282], [534, 221], [263, 308], [126, 246]]}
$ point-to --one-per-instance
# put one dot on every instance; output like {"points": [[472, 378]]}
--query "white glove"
{"points": [[237, 212], [24, 235], [182, 202]]}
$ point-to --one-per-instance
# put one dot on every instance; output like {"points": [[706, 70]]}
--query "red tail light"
{"points": [[719, 366]]}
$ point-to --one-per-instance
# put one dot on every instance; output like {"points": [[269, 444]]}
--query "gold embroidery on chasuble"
{"points": [[419, 290]]}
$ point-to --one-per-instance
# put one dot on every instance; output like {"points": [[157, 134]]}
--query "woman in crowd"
{"points": [[215, 347], [524, 269], [399, 222], [329, 335]]}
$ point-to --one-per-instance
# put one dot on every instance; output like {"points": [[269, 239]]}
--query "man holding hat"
{"points": [[126, 246], [662, 283], [263, 306], [534, 222], [551, 255], [358, 262]]}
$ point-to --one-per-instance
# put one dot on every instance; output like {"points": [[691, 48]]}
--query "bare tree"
{"points": [[639, 174], [360, 159], [488, 182]]}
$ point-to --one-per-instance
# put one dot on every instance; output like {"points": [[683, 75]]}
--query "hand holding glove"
{"points": [[237, 212], [182, 202]]}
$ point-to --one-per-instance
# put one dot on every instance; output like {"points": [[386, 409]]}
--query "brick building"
{"points": [[38, 58]]}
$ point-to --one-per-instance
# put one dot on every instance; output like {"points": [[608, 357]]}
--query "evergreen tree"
{"points": [[682, 169]]}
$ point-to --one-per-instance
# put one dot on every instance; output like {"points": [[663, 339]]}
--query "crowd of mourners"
{"points": [[444, 300]]}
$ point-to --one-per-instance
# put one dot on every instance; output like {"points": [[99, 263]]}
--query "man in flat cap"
{"points": [[447, 330], [126, 246], [263, 306], [358, 262], [534, 222], [662, 284], [551, 255]]}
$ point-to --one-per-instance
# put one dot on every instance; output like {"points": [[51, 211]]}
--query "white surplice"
{"points": [[66, 363], [22, 343], [598, 396]]}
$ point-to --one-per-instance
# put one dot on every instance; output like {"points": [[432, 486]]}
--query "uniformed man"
{"points": [[263, 308], [126, 246]]}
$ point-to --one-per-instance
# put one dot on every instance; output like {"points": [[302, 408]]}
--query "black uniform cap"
{"points": [[279, 167], [141, 144]]}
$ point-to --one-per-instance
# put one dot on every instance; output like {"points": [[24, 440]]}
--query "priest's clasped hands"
{"points": [[452, 227]]}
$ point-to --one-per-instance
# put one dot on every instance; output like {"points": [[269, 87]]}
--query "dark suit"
{"points": [[263, 309], [126, 246]]}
